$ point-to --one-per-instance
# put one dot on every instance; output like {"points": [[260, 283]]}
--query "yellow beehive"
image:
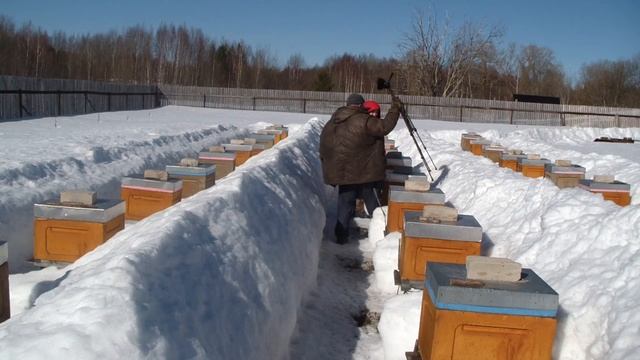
{"points": [[441, 241], [476, 145], [402, 200], [612, 190], [145, 197], [532, 168], [470, 319], [64, 232], [225, 162], [194, 178]]}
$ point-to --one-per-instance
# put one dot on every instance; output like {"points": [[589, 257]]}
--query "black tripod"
{"points": [[415, 135]]}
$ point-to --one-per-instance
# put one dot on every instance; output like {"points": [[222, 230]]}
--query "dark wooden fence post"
{"points": [[108, 101], [304, 106], [204, 100], [20, 101], [253, 102], [511, 117], [461, 112], [86, 95], [59, 103]]}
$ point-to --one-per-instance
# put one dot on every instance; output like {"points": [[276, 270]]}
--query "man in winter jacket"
{"points": [[352, 154]]}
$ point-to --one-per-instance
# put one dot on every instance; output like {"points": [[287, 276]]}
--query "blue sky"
{"points": [[578, 31]]}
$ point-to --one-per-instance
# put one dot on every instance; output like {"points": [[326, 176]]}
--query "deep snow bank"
{"points": [[586, 248], [41, 158], [220, 275]]}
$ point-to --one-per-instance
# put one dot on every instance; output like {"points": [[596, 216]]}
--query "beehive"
{"points": [[225, 162], [145, 197], [493, 152], [477, 144], [401, 200], [462, 319], [465, 140], [533, 168], [394, 162], [397, 177], [424, 242], [243, 152], [564, 176], [278, 134], [257, 149], [194, 178], [265, 139], [510, 161], [5, 304], [616, 191], [284, 129], [65, 232], [389, 145]]}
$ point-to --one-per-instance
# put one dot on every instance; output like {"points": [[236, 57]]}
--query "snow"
{"points": [[248, 269], [219, 275], [586, 248]]}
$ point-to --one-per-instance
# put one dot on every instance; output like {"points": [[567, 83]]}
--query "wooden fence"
{"points": [[28, 98], [419, 107], [22, 97]]}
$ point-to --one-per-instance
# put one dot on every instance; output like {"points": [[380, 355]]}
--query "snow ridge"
{"points": [[222, 279]]}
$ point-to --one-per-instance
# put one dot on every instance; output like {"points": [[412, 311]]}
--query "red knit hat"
{"points": [[371, 106]]}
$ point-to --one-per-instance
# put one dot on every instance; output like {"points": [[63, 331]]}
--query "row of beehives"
{"points": [[78, 222], [562, 173], [473, 307]]}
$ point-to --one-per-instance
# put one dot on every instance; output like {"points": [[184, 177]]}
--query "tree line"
{"points": [[436, 59]]}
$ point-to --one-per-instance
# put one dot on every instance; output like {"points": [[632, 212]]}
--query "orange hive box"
{"points": [[465, 140], [564, 176], [533, 168], [145, 197], [64, 233], [257, 149], [279, 134], [194, 178], [397, 177], [243, 152], [424, 242], [493, 152], [510, 160], [616, 191], [402, 200], [477, 144], [5, 308], [483, 319], [225, 162]]}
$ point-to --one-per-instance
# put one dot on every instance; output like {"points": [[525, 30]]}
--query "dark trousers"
{"points": [[347, 194]]}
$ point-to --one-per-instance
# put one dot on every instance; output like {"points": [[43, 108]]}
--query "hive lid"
{"points": [[466, 228], [4, 252], [471, 135], [200, 170], [403, 161], [448, 289], [237, 147], [557, 169], [493, 147], [400, 175], [508, 156], [399, 194], [171, 185], [536, 162], [104, 210], [480, 141], [591, 185], [206, 155], [259, 146], [262, 137]]}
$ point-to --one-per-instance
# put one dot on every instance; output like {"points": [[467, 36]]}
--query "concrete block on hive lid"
{"points": [[189, 162], [78, 197], [492, 268], [250, 141], [216, 148], [160, 175], [237, 141]]}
